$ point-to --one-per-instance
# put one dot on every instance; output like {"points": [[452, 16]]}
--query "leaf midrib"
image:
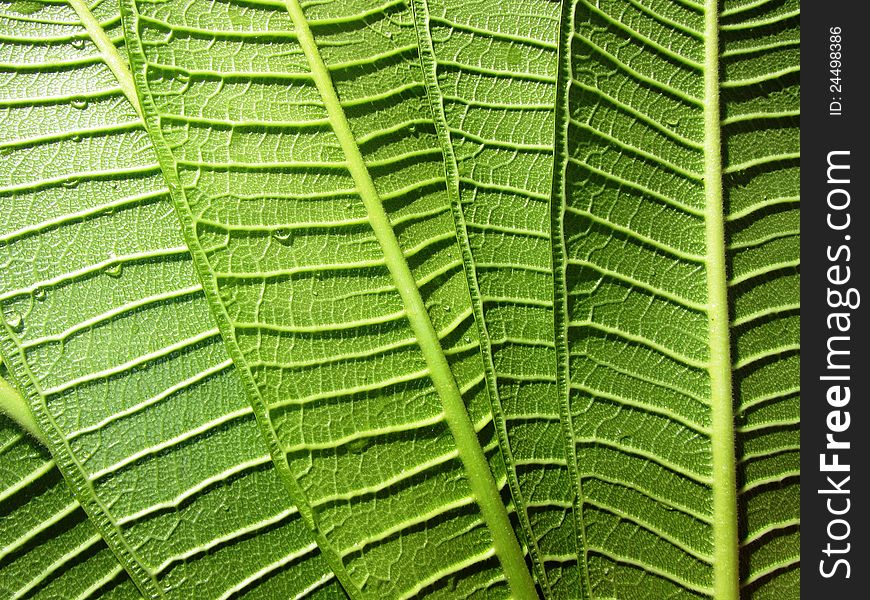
{"points": [[726, 584], [480, 478]]}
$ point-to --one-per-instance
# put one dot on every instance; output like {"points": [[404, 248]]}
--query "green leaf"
{"points": [[49, 548], [492, 82], [326, 299], [309, 180], [677, 282], [106, 328]]}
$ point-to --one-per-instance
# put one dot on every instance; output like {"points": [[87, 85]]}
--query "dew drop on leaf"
{"points": [[71, 183], [284, 236], [79, 103], [39, 294], [116, 268], [14, 321], [78, 44]]}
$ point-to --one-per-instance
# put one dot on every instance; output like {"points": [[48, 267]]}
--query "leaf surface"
{"points": [[676, 270], [310, 183], [492, 82], [50, 549], [107, 330]]}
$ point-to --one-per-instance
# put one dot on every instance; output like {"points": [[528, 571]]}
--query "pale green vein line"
{"points": [[637, 75], [676, 542], [745, 212], [417, 423], [769, 529], [667, 21], [777, 351], [645, 342], [447, 571], [792, 43], [169, 391], [696, 212], [110, 53], [636, 283], [203, 485], [672, 577], [779, 566], [322, 327], [765, 270], [31, 477], [108, 316], [664, 501], [418, 519], [739, 83], [645, 239], [95, 268], [644, 40], [652, 457], [643, 406], [726, 571], [496, 35], [763, 160], [54, 566], [645, 154], [480, 478], [180, 346], [777, 479], [171, 442], [754, 116], [99, 583], [326, 578], [10, 442], [260, 573], [45, 525], [218, 541], [762, 22], [70, 217], [745, 7], [757, 242]]}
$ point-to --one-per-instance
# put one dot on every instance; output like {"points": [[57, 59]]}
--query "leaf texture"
{"points": [[658, 124], [50, 549], [493, 80], [310, 182], [106, 328]]}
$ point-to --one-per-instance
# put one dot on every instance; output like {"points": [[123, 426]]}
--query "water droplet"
{"points": [[79, 103], [285, 236], [76, 137], [446, 308], [71, 183], [39, 294], [15, 322], [116, 268], [627, 440], [78, 44], [348, 206], [467, 339], [389, 35]]}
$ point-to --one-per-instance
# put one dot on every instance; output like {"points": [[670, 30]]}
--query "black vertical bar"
{"points": [[835, 227]]}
